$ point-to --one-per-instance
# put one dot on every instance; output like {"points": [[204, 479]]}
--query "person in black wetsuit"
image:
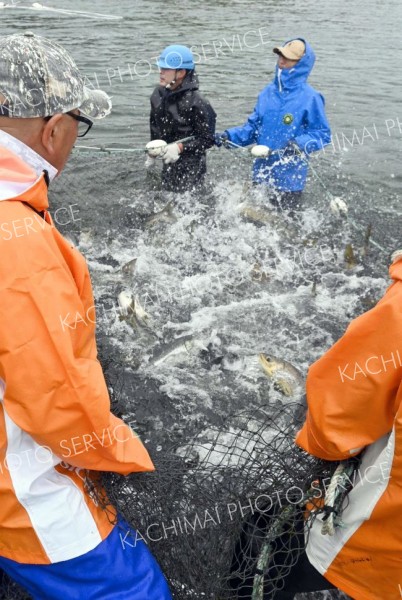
{"points": [[178, 111]]}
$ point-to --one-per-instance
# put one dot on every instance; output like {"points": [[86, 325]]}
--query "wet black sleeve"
{"points": [[155, 129], [155, 135], [203, 124]]}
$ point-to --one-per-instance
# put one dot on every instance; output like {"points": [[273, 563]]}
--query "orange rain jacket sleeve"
{"points": [[352, 389], [54, 385]]}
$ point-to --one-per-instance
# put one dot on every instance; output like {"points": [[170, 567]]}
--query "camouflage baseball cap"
{"points": [[38, 78]]}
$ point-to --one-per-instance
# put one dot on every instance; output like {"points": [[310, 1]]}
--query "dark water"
{"points": [[196, 275]]}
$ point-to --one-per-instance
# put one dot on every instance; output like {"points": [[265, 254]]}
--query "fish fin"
{"points": [[281, 385]]}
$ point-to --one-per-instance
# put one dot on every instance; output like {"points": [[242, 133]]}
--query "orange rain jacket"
{"points": [[55, 419], [354, 397]]}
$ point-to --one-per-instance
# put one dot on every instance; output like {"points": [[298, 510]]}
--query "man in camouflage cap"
{"points": [[56, 427]]}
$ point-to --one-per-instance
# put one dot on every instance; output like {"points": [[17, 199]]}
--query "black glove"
{"points": [[221, 139]]}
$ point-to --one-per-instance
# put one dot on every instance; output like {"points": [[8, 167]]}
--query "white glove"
{"points": [[170, 154], [149, 162], [155, 148], [260, 151]]}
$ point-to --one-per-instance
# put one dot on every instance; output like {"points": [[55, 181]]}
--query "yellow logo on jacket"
{"points": [[288, 119]]}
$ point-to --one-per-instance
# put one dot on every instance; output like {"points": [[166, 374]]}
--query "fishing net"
{"points": [[223, 513], [10, 590]]}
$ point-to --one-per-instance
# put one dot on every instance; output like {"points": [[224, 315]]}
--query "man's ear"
{"points": [[50, 134]]}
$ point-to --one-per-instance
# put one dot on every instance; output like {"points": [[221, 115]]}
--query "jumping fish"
{"points": [[314, 288], [285, 377], [258, 216], [349, 257], [131, 310], [261, 216], [129, 267], [163, 216], [177, 350], [367, 240], [258, 273]]}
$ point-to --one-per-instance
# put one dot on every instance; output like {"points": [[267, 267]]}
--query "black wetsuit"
{"points": [[177, 114]]}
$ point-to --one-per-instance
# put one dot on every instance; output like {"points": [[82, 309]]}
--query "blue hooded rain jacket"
{"points": [[288, 109]]}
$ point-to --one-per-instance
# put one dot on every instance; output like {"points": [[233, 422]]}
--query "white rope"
{"points": [[105, 150], [332, 198], [334, 489]]}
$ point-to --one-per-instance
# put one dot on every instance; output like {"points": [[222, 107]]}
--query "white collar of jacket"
{"points": [[397, 255], [279, 79], [29, 156], [11, 187]]}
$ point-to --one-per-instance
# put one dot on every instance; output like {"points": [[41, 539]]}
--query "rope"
{"points": [[338, 489], [376, 244], [105, 150], [247, 150], [329, 194], [266, 551], [233, 145], [328, 527], [332, 197]]}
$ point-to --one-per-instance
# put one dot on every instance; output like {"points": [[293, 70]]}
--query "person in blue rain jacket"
{"points": [[290, 119]]}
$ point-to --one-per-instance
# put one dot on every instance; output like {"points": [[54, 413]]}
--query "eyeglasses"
{"points": [[84, 124]]}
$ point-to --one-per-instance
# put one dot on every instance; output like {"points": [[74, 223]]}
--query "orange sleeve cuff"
{"points": [[306, 440]]}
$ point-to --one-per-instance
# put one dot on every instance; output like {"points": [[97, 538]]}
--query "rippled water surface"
{"points": [[234, 286]]}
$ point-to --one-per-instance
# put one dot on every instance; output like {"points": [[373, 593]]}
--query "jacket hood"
{"points": [[190, 82], [395, 269], [292, 78]]}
